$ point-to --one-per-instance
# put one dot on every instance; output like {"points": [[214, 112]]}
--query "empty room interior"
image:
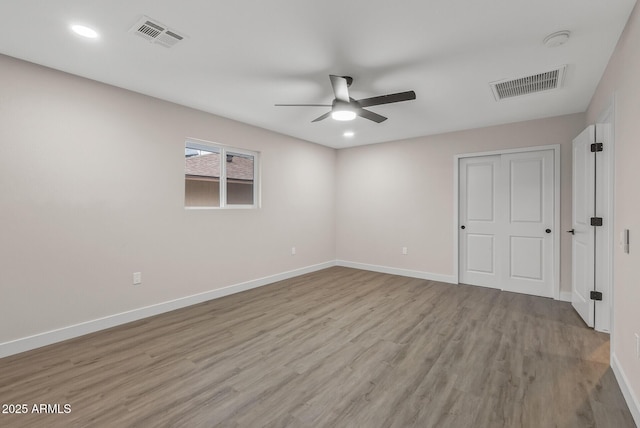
{"points": [[320, 214]]}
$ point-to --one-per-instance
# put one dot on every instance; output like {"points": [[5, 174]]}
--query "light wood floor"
{"points": [[336, 348]]}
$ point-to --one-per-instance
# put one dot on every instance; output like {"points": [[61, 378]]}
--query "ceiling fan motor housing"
{"points": [[343, 105]]}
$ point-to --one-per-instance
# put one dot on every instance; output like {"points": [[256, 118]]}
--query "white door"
{"points": [[507, 222], [529, 223], [583, 245], [479, 220], [604, 208]]}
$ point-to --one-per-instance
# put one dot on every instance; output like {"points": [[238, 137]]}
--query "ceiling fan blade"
{"points": [[371, 115], [302, 105], [323, 117], [340, 88], [387, 99]]}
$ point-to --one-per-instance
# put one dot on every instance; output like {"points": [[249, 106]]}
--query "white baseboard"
{"points": [[396, 271], [627, 392], [47, 338], [565, 296]]}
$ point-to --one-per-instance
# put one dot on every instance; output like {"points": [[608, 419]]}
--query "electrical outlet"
{"points": [[137, 278], [638, 346], [405, 251], [293, 251]]}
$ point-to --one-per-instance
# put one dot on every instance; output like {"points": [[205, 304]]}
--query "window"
{"points": [[219, 177]]}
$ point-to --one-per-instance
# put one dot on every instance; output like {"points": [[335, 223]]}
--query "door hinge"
{"points": [[596, 147], [595, 295], [596, 221]]}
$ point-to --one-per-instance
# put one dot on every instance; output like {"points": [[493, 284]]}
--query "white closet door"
{"points": [[527, 247], [506, 222], [479, 220]]}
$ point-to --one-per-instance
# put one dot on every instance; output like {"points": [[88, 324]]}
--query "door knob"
{"points": [[548, 230], [463, 227], [572, 231]]}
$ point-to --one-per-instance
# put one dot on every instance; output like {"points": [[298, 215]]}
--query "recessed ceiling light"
{"points": [[557, 39], [84, 31], [349, 134]]}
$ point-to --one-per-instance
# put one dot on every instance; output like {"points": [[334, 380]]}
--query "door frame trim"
{"points": [[556, 208]]}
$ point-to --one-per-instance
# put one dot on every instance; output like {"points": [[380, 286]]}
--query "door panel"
{"points": [[480, 184], [527, 260], [530, 202], [479, 216], [480, 251], [583, 241], [526, 204]]}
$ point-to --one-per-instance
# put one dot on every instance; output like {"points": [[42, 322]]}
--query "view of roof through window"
{"points": [[204, 163]]}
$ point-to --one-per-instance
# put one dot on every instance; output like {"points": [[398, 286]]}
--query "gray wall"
{"points": [[400, 194], [92, 190]]}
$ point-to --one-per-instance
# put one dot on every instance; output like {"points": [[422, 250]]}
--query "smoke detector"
{"points": [[540, 82], [557, 39], [156, 32]]}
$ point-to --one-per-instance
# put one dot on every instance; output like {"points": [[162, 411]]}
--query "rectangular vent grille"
{"points": [[546, 81], [155, 32]]}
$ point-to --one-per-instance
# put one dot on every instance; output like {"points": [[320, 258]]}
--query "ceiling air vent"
{"points": [[528, 85], [155, 32]]}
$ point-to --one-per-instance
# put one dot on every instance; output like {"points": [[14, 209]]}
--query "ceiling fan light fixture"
{"points": [[343, 115], [342, 111]]}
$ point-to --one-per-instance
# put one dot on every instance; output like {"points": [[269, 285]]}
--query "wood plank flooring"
{"points": [[335, 348]]}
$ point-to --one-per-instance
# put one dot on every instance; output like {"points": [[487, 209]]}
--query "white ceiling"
{"points": [[241, 57]]}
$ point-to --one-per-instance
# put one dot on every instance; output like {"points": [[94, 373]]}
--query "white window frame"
{"points": [[224, 149]]}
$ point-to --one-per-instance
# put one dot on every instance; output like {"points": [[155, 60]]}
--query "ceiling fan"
{"points": [[346, 108]]}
